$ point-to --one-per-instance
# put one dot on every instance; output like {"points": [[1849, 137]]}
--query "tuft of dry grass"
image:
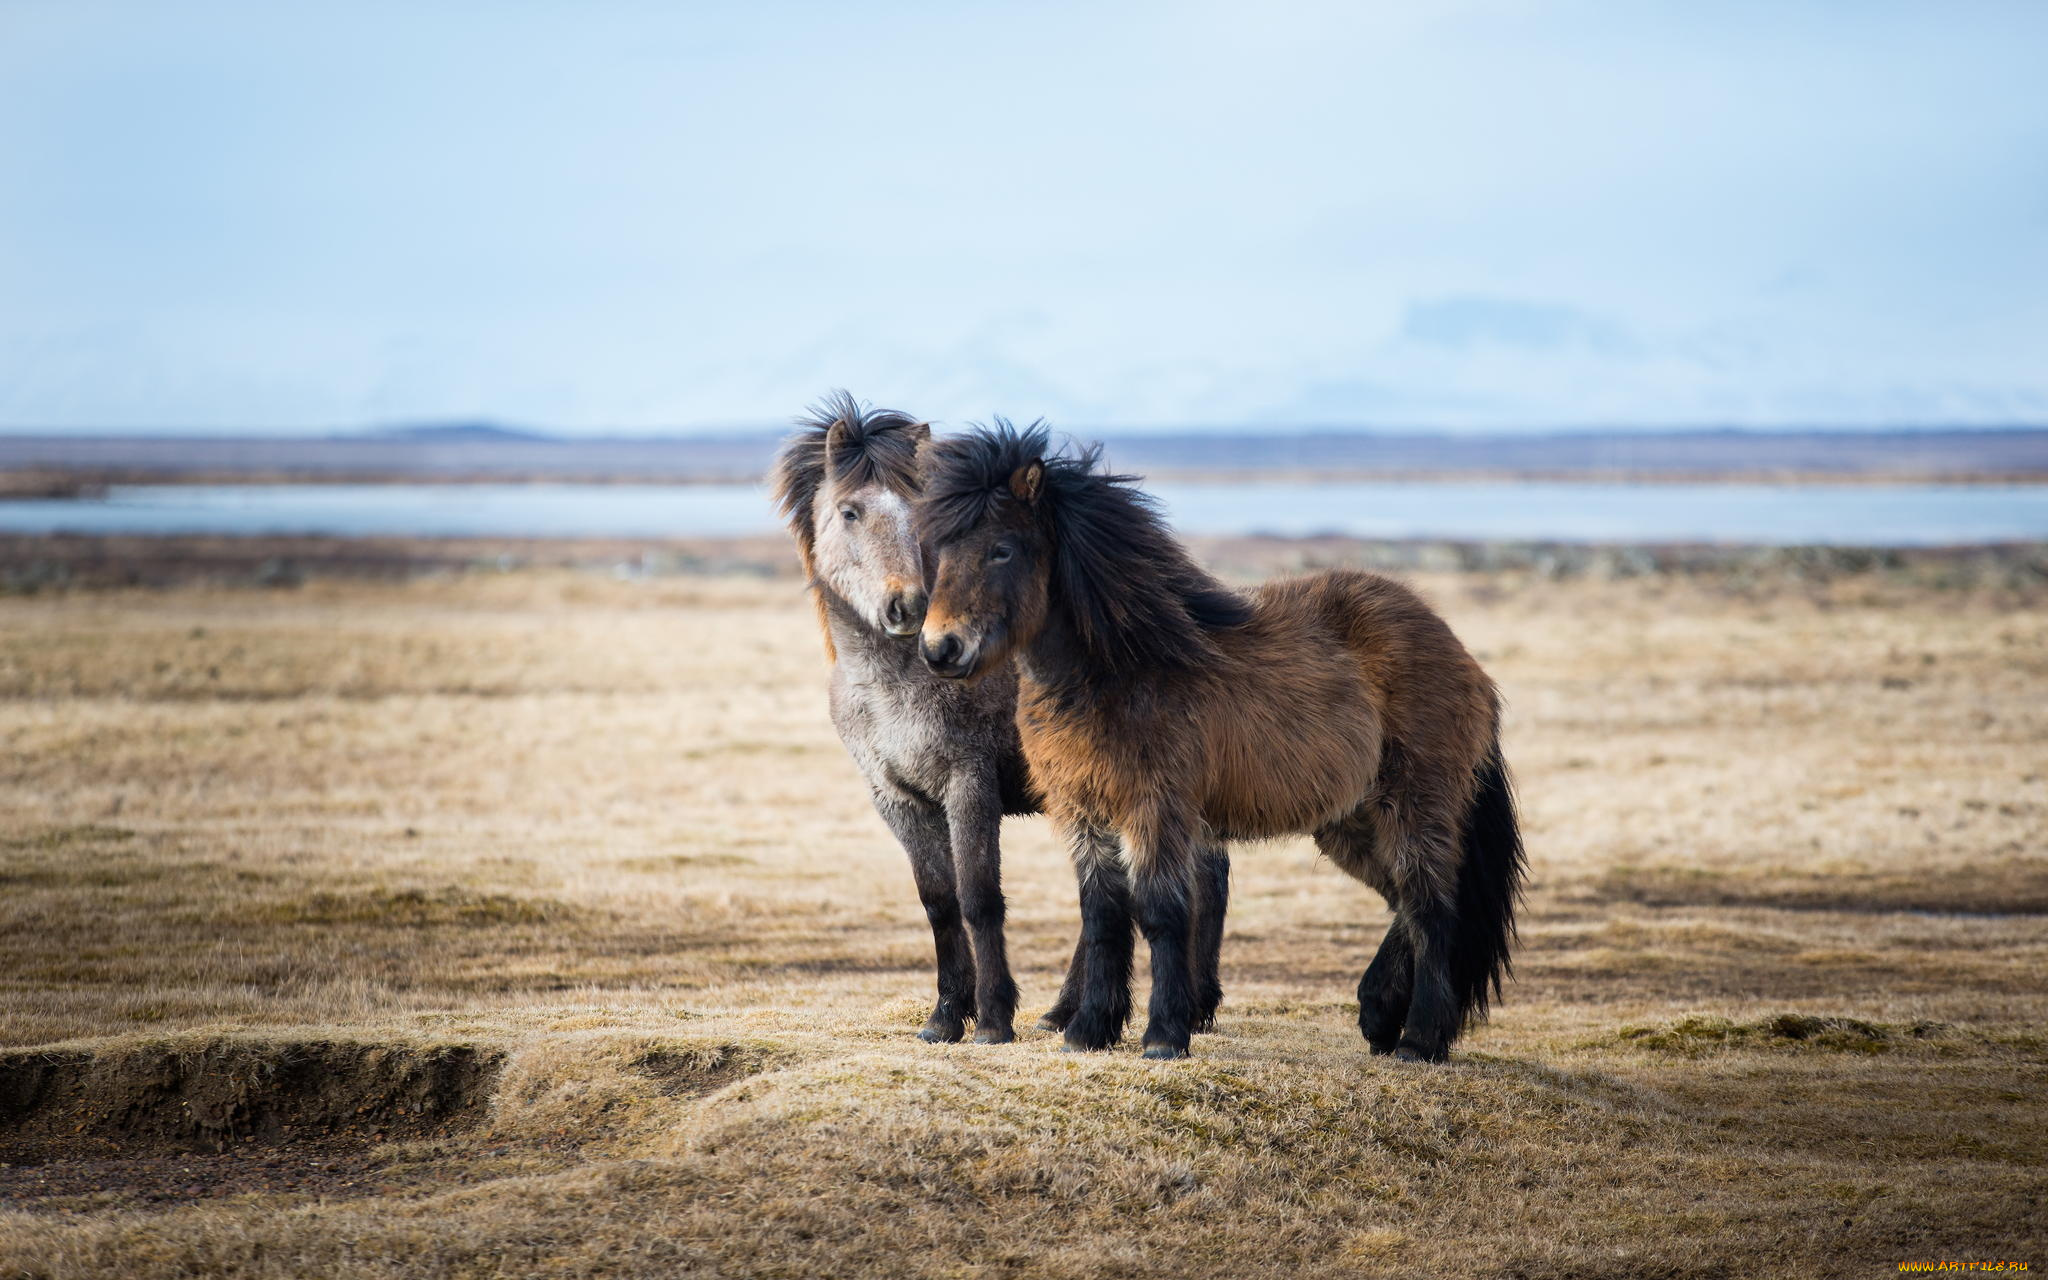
{"points": [[534, 924]]}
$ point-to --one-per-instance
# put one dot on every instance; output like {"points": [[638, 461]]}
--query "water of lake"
{"points": [[1843, 515]]}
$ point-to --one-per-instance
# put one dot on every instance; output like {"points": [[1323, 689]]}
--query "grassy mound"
{"points": [[1698, 1035]]}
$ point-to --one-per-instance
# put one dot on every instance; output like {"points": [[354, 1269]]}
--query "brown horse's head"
{"points": [[846, 482], [1022, 537], [992, 553]]}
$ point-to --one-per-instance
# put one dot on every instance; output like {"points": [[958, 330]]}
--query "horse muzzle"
{"points": [[903, 613], [947, 655]]}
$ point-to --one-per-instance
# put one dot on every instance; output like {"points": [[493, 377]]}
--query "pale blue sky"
{"points": [[646, 216]]}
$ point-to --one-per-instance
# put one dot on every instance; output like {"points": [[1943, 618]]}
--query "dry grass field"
{"points": [[535, 924]]}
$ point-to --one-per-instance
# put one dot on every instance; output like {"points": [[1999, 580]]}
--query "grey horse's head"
{"points": [[846, 482]]}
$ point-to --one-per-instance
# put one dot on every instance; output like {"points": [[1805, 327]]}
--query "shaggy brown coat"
{"points": [[1158, 707]]}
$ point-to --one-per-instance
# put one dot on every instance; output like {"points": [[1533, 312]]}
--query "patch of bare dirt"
{"points": [[219, 1095]]}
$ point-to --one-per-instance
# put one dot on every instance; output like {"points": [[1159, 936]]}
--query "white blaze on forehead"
{"points": [[896, 508]]}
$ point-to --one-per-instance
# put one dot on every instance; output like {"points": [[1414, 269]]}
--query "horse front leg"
{"points": [[1162, 882], [921, 829], [974, 819], [1102, 961], [1102, 848]]}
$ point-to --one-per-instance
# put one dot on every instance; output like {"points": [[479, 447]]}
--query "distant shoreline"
{"points": [[93, 483], [82, 465]]}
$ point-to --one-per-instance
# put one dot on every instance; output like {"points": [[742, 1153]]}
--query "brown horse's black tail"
{"points": [[1489, 886]]}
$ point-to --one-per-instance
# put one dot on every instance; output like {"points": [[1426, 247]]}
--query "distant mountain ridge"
{"points": [[441, 432]]}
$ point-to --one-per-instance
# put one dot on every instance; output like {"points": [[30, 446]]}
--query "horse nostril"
{"points": [[941, 655], [903, 612]]}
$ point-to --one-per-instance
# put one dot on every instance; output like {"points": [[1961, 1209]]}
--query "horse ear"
{"points": [[919, 433], [1027, 480], [835, 440]]}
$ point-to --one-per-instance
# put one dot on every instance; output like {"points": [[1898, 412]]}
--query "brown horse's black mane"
{"points": [[1129, 589], [876, 446]]}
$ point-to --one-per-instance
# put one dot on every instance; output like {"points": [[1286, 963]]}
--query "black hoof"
{"points": [[942, 1032], [1053, 1021], [1080, 1043], [1094, 1030], [1381, 1029], [1381, 1034], [1409, 1051], [994, 1035], [1165, 1052]]}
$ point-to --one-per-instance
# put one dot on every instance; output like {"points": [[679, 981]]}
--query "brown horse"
{"points": [[1158, 706]]}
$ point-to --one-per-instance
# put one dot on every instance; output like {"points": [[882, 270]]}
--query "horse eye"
{"points": [[999, 553], [849, 513]]}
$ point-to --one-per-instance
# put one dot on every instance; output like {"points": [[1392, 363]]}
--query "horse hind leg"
{"points": [[1464, 913], [1434, 1017], [1427, 868], [1385, 990], [1211, 904], [1387, 987], [1459, 867], [1069, 998]]}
